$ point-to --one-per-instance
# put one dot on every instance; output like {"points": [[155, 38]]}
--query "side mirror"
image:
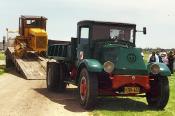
{"points": [[144, 30]]}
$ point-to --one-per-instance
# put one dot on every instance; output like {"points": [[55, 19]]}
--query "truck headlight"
{"points": [[155, 69], [108, 66]]}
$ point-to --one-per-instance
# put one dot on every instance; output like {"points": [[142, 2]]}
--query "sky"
{"points": [[158, 16]]}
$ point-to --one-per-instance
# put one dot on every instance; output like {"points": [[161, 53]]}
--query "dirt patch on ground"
{"points": [[20, 97]]}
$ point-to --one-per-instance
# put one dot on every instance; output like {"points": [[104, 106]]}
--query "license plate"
{"points": [[131, 90]]}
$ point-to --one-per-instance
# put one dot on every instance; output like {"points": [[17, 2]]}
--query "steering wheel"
{"points": [[115, 37]]}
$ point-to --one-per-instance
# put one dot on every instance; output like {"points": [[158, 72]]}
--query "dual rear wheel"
{"points": [[55, 77]]}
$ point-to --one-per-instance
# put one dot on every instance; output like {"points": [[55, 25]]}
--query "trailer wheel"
{"points": [[158, 96], [54, 74], [9, 62], [88, 89]]}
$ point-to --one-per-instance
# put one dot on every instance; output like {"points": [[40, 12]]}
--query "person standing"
{"points": [[171, 61], [164, 58], [153, 58], [160, 58]]}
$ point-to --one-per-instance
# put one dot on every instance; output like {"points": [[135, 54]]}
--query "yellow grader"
{"points": [[32, 36]]}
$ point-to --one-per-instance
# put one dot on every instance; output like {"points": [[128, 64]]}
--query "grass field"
{"points": [[2, 56], [2, 71], [134, 106]]}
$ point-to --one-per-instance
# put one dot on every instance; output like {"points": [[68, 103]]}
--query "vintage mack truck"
{"points": [[103, 61]]}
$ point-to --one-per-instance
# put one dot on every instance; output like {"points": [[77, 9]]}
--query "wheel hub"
{"points": [[83, 88]]}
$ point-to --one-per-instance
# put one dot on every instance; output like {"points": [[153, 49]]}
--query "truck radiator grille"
{"points": [[41, 42]]}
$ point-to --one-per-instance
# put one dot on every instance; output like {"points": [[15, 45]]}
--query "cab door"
{"points": [[83, 45]]}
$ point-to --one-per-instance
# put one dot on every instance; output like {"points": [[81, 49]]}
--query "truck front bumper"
{"points": [[123, 80]]}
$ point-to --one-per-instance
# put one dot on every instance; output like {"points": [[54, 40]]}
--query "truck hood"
{"points": [[127, 60], [37, 32]]}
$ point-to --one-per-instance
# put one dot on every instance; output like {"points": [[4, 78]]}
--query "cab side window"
{"points": [[84, 35]]}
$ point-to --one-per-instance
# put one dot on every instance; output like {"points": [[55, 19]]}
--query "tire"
{"points": [[54, 77], [88, 89], [62, 77], [9, 62], [158, 96]]}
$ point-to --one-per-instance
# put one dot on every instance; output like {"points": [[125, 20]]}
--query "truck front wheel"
{"points": [[88, 89], [158, 96]]}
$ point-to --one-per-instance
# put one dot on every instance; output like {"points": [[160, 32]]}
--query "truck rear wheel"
{"points": [[88, 89], [53, 79], [158, 96]]}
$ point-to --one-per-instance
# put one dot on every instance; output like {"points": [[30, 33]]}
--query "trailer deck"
{"points": [[30, 68]]}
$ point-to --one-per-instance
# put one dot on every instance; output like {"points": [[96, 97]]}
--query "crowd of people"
{"points": [[163, 57]]}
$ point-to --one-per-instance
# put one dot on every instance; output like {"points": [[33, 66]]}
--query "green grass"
{"points": [[2, 71], [146, 55], [2, 56]]}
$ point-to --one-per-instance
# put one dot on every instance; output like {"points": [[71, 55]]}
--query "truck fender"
{"points": [[92, 65], [164, 70]]}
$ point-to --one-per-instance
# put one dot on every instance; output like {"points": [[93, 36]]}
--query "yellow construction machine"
{"points": [[32, 36]]}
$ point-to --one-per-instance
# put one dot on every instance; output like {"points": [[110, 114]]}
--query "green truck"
{"points": [[103, 61]]}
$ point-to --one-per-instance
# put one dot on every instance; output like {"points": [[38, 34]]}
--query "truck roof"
{"points": [[32, 17], [90, 22]]}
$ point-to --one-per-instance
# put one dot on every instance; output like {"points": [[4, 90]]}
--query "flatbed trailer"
{"points": [[31, 68]]}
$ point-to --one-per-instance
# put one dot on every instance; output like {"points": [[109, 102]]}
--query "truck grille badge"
{"points": [[133, 77]]}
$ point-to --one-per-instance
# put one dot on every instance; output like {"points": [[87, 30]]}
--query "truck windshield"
{"points": [[34, 23], [115, 33]]}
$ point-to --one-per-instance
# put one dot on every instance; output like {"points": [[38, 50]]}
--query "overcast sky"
{"points": [[157, 15]]}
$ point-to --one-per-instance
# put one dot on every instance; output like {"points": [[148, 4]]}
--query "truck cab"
{"points": [[32, 35], [91, 31], [109, 41]]}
